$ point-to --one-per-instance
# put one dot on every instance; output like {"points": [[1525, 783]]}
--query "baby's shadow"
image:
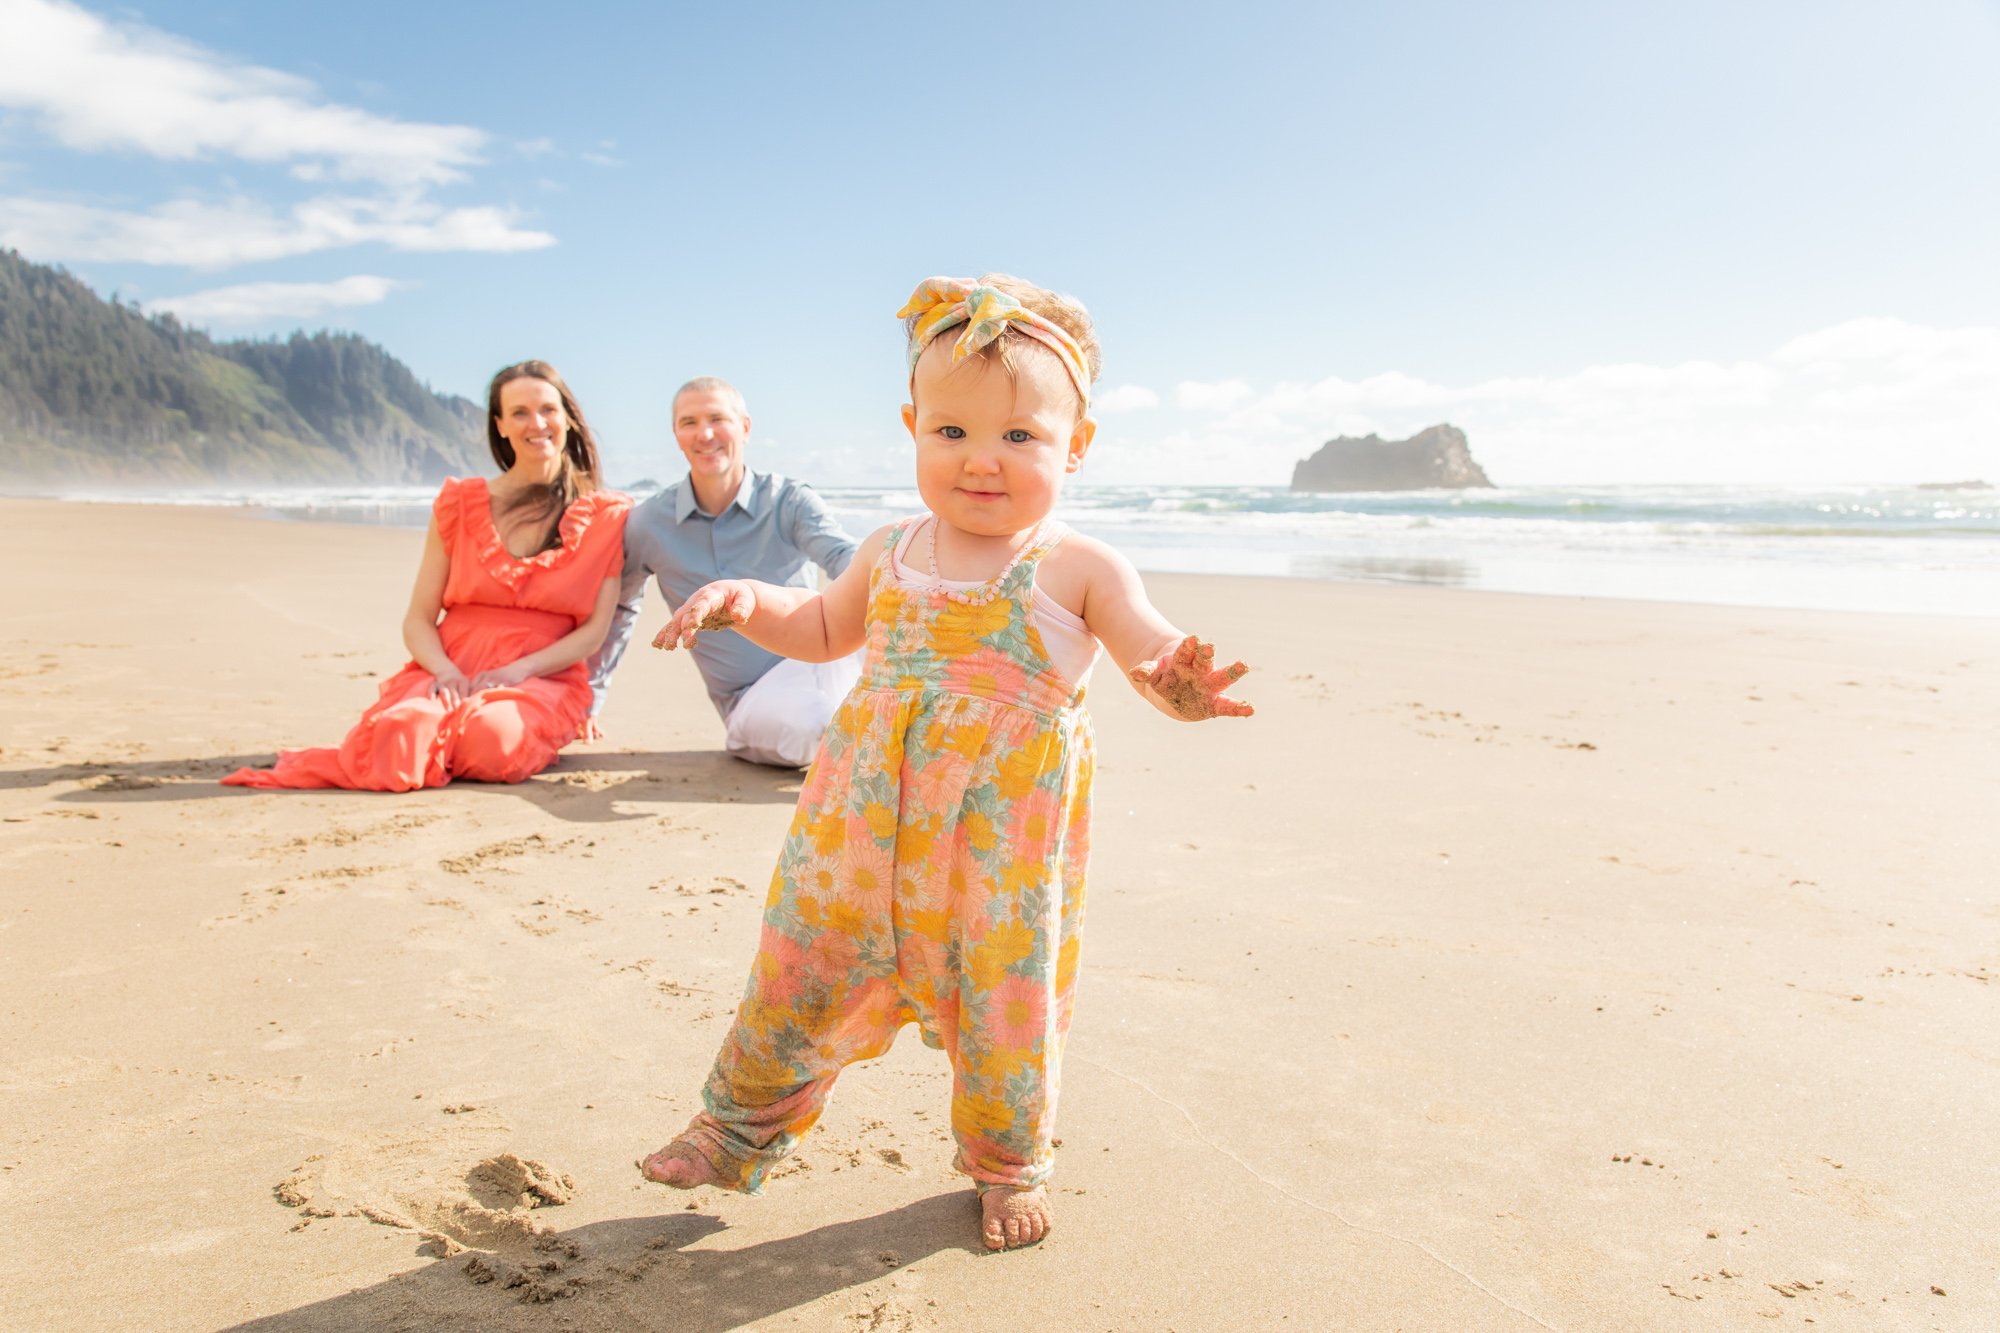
{"points": [[637, 1272]]}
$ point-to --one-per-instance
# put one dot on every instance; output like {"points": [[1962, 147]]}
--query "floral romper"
{"points": [[933, 874]]}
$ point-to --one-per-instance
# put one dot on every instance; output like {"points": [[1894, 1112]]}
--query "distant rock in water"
{"points": [[1437, 458], [96, 392], [1954, 485]]}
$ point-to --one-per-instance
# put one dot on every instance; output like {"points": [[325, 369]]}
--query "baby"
{"points": [[934, 871]]}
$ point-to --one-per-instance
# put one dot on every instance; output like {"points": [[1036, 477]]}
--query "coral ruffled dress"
{"points": [[497, 609]]}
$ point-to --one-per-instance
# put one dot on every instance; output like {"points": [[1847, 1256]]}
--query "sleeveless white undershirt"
{"points": [[1072, 650]]}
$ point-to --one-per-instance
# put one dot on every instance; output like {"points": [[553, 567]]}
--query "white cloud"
{"points": [[1124, 398], [601, 159], [1220, 397], [116, 86], [1865, 400], [1886, 366], [261, 302], [100, 86], [242, 230]]}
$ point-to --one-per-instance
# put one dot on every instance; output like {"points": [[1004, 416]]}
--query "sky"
{"points": [[1646, 242]]}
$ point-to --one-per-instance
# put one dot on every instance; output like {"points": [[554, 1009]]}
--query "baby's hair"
{"points": [[1065, 312]]}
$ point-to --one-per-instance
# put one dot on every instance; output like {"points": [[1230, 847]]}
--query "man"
{"points": [[726, 522]]}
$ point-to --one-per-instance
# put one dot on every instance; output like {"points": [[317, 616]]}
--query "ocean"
{"points": [[1853, 548]]}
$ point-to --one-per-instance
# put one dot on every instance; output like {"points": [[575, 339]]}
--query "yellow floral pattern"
{"points": [[933, 875]]}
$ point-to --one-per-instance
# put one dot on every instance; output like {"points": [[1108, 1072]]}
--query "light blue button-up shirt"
{"points": [[775, 530]]}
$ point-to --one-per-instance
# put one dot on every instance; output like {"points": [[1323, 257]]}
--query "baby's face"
{"points": [[993, 449]]}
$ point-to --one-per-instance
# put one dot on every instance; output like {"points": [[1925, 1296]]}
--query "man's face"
{"points": [[711, 427]]}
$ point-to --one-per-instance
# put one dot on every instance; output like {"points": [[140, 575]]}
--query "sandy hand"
{"points": [[721, 605], [1186, 679]]}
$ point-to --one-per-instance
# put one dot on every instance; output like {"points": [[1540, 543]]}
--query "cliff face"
{"points": [[1435, 458], [94, 391]]}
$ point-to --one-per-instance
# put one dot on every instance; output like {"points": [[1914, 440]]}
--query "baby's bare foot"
{"points": [[681, 1165], [1011, 1218]]}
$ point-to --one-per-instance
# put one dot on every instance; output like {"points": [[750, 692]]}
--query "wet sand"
{"points": [[1525, 963]]}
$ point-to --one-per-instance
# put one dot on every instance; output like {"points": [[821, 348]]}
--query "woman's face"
{"points": [[531, 420]]}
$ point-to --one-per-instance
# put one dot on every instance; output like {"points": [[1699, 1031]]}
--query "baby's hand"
{"points": [[719, 605], [1188, 683]]}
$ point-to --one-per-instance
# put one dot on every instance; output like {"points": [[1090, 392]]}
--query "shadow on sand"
{"points": [[580, 787], [638, 1273]]}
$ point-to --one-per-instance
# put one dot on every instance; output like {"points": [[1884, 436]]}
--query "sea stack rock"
{"points": [[1437, 458]]}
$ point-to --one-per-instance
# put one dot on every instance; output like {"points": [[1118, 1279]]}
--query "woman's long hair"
{"points": [[578, 473]]}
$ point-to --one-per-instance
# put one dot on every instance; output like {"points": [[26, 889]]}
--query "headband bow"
{"points": [[944, 303]]}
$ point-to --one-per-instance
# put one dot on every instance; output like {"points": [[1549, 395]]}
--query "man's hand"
{"points": [[1187, 682], [723, 604]]}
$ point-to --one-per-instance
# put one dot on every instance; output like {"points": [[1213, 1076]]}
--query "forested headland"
{"points": [[95, 391]]}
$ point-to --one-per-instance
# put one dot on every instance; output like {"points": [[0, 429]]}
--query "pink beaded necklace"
{"points": [[987, 591]]}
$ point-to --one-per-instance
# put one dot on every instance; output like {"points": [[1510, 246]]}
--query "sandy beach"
{"points": [[1527, 962]]}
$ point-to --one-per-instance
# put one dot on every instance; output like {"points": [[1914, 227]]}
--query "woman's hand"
{"points": [[500, 678], [1187, 682], [723, 604], [451, 688]]}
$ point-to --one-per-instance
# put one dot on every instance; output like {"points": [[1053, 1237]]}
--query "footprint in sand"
{"points": [[719, 884], [546, 922], [260, 903], [494, 854], [679, 991], [1443, 723], [643, 969], [41, 666], [1311, 686], [593, 779], [122, 782], [412, 1185], [510, 1181], [341, 836], [886, 1317], [393, 1045]]}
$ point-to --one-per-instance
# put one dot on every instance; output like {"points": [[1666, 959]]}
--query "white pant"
{"points": [[779, 719]]}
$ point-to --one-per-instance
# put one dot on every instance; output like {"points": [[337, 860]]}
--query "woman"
{"points": [[525, 571]]}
